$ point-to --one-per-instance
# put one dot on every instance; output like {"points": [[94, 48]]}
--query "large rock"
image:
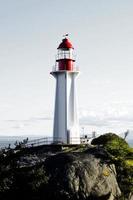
{"points": [[80, 176], [87, 175]]}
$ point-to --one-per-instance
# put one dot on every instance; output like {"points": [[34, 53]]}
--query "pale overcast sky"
{"points": [[102, 34]]}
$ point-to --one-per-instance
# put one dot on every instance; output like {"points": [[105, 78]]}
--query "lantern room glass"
{"points": [[65, 54]]}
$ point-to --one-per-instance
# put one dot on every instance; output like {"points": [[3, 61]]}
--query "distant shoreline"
{"points": [[6, 140]]}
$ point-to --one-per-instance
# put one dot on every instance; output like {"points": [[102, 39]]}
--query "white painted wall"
{"points": [[66, 126], [72, 112]]}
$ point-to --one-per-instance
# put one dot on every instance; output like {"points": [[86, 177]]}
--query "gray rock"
{"points": [[86, 175], [81, 176]]}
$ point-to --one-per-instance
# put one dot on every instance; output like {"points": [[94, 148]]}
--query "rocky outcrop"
{"points": [[79, 175]]}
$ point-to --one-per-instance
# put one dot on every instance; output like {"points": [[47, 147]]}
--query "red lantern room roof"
{"points": [[65, 44]]}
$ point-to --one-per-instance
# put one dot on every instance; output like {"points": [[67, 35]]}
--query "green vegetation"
{"points": [[129, 162], [122, 156]]}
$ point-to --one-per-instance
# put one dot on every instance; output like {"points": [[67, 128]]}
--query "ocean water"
{"points": [[5, 141], [130, 142]]}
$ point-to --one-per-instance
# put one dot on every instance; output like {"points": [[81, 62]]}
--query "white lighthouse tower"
{"points": [[66, 125]]}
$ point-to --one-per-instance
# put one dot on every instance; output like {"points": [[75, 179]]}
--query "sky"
{"points": [[101, 32]]}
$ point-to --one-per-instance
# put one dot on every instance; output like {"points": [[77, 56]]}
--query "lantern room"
{"points": [[65, 57]]}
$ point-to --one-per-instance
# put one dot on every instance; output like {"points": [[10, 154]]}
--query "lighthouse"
{"points": [[66, 125]]}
